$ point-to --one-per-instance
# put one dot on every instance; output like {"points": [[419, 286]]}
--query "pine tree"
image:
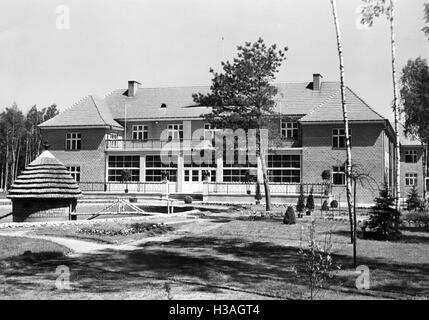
{"points": [[413, 199], [300, 206], [384, 218], [310, 201]]}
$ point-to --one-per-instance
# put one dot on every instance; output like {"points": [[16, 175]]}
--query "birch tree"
{"points": [[345, 118], [371, 10]]}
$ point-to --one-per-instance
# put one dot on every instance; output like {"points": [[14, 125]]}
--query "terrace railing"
{"points": [[150, 144], [140, 187], [275, 188]]}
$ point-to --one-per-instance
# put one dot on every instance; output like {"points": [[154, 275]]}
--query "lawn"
{"points": [[229, 256], [16, 246]]}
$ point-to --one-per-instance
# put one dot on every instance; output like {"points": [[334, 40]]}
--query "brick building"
{"points": [[97, 139]]}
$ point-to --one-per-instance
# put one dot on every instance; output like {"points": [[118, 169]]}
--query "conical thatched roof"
{"points": [[45, 177]]}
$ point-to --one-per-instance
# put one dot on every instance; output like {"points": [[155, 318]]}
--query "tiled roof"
{"points": [[331, 109], [407, 140], [147, 103], [91, 111], [291, 99]]}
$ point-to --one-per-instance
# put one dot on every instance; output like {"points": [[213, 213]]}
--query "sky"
{"points": [[163, 43]]}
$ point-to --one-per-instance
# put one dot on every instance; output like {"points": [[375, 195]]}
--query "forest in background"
{"points": [[20, 139]]}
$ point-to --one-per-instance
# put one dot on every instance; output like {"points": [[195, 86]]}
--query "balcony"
{"points": [[157, 144]]}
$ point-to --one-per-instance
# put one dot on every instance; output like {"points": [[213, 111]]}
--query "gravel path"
{"points": [[87, 247]]}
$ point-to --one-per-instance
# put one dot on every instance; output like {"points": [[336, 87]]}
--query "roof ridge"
{"points": [[321, 104], [98, 110], [365, 103], [67, 109]]}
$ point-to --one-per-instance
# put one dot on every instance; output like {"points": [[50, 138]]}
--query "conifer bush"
{"points": [[325, 206], [384, 221], [413, 199], [300, 206], [289, 217], [310, 202]]}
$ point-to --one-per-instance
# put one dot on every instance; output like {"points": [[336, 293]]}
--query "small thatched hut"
{"points": [[44, 191]]}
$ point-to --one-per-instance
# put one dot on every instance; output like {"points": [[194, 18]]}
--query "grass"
{"points": [[229, 256], [16, 246]]}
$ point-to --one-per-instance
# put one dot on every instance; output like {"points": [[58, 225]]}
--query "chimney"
{"points": [[133, 87], [317, 81]]}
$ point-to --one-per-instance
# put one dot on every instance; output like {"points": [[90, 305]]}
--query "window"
{"points": [[75, 173], [113, 143], [339, 138], [410, 156], [140, 132], [175, 131], [238, 175], [289, 130], [157, 170], [284, 168], [338, 176], [73, 141], [411, 179], [117, 164]]}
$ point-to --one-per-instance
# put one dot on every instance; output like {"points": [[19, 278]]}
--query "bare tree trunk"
{"points": [[395, 105], [425, 169], [346, 121], [354, 226], [266, 184], [18, 151], [261, 156], [7, 163]]}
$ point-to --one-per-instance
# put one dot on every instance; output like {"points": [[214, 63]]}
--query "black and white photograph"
{"points": [[233, 151]]}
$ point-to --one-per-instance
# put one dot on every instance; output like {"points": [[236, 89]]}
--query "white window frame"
{"points": [[272, 168], [412, 154], [140, 132], [339, 170], [74, 172], [411, 179], [150, 170], [289, 129], [73, 141], [117, 177], [175, 131], [337, 134]]}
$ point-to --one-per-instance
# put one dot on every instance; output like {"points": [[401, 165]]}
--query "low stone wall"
{"points": [[33, 210]]}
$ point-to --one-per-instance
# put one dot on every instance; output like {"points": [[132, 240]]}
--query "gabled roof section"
{"points": [[331, 109], [300, 98], [90, 111], [407, 140]]}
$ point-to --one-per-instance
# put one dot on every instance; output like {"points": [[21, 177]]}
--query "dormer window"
{"points": [[411, 156], [163, 105]]}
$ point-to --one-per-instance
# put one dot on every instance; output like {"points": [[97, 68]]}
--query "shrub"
{"points": [[384, 218], [326, 175], [310, 201], [188, 200], [419, 219], [300, 206], [334, 204], [413, 199], [289, 217], [325, 206]]}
